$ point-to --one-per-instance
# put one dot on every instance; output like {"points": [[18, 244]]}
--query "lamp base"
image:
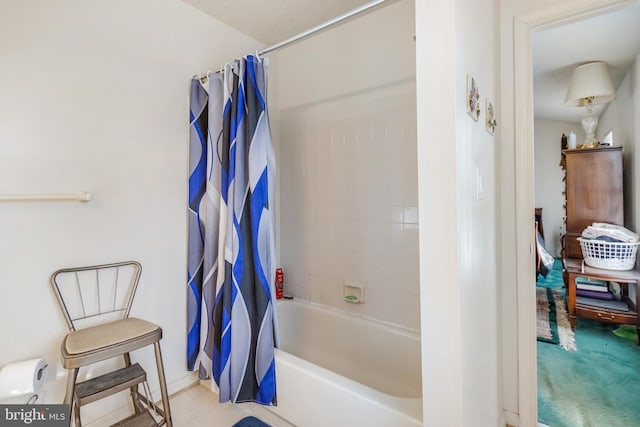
{"points": [[589, 124], [590, 145]]}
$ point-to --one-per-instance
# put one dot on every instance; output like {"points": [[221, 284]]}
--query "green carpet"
{"points": [[554, 279], [596, 386]]}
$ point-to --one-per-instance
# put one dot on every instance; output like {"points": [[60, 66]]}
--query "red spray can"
{"points": [[279, 283]]}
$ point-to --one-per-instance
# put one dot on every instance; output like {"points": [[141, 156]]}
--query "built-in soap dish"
{"points": [[353, 292]]}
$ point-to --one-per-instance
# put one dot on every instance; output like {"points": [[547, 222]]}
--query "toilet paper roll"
{"points": [[18, 378]]}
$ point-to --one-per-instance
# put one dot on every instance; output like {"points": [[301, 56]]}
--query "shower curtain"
{"points": [[231, 261]]}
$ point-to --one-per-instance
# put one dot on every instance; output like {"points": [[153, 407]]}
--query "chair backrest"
{"points": [[96, 294]]}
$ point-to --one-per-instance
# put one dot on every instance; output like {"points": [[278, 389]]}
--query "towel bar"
{"points": [[81, 196]]}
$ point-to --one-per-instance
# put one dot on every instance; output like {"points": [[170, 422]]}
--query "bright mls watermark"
{"points": [[34, 415]]}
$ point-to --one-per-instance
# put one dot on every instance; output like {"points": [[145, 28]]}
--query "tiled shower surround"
{"points": [[348, 201]]}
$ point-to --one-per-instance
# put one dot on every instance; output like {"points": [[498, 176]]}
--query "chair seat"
{"points": [[107, 340]]}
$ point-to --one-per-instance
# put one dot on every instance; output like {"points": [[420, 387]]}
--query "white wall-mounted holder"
{"points": [[81, 196], [353, 292]]}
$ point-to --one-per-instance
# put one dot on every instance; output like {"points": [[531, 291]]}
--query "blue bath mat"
{"points": [[251, 422]]}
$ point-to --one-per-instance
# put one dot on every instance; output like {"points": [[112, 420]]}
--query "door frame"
{"points": [[524, 26]]}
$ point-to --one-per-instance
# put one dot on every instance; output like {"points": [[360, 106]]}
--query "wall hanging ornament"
{"points": [[490, 114], [473, 98]]}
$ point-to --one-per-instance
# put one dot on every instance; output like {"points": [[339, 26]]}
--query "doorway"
{"points": [[601, 361], [523, 195]]}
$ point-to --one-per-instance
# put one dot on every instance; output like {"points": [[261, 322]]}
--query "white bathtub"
{"points": [[336, 369]]}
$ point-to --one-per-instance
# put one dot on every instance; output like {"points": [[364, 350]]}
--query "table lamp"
{"points": [[590, 85]]}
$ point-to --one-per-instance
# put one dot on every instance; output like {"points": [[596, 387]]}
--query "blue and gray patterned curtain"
{"points": [[231, 257]]}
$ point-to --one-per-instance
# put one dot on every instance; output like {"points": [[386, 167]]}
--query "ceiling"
{"points": [[613, 38], [271, 21]]}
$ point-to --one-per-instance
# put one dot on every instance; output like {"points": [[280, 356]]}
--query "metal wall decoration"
{"points": [[473, 98], [490, 115]]}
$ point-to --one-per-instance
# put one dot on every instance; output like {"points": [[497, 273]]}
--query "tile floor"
{"points": [[198, 406]]}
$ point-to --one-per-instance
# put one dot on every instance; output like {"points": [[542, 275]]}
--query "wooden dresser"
{"points": [[593, 192]]}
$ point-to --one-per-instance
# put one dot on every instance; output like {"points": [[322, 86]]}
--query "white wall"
{"points": [[347, 164], [459, 286], [622, 116], [95, 97], [549, 178], [476, 54]]}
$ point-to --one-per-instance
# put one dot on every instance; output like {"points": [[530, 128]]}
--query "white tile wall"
{"points": [[348, 201]]}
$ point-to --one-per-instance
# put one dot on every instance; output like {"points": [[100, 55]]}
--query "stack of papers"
{"points": [[593, 288]]}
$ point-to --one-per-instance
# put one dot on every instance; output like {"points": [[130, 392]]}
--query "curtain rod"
{"points": [[338, 19], [322, 26]]}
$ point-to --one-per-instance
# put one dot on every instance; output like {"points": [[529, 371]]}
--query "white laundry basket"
{"points": [[609, 255]]}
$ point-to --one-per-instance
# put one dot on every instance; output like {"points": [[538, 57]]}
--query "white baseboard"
{"points": [[510, 418], [186, 381]]}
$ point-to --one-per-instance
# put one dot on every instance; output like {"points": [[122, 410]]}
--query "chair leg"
{"points": [[69, 397], [163, 385], [135, 397]]}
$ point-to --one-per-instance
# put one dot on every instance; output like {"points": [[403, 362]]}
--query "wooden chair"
{"points": [[96, 301]]}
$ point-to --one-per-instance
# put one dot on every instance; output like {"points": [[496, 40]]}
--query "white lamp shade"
{"points": [[590, 80]]}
